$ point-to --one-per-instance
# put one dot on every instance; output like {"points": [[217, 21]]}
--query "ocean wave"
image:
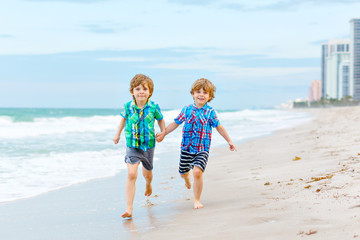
{"points": [[38, 173], [52, 126], [48, 153]]}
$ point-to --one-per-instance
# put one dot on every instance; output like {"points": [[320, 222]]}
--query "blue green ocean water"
{"points": [[43, 149]]}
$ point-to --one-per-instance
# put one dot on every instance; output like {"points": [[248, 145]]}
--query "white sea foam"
{"points": [[48, 153], [31, 175], [53, 126]]}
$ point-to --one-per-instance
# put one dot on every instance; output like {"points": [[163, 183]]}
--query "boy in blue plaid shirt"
{"points": [[199, 120], [138, 120]]}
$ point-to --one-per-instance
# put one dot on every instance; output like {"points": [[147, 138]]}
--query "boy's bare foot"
{"points": [[148, 190], [198, 205], [187, 181], [126, 214]]}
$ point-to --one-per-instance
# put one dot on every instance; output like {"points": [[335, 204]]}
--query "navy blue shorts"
{"points": [[189, 160]]}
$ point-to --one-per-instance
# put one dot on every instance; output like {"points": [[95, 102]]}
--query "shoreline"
{"points": [[43, 163], [256, 193], [217, 143], [92, 210]]}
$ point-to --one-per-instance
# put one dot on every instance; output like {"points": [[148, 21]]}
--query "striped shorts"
{"points": [[189, 160]]}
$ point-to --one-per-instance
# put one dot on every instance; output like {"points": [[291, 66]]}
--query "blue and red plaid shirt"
{"points": [[197, 128]]}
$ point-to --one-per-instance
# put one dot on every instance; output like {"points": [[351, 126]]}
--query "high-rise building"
{"points": [[344, 80], [324, 55], [336, 53], [355, 58], [315, 91]]}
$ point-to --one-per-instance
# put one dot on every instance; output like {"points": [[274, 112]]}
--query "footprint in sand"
{"points": [[149, 203]]}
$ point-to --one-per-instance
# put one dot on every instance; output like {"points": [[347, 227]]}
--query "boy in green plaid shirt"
{"points": [[138, 120]]}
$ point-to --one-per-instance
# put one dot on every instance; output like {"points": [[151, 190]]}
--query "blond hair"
{"points": [[205, 84], [141, 79]]}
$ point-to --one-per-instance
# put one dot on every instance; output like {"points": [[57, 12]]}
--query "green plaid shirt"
{"points": [[139, 126]]}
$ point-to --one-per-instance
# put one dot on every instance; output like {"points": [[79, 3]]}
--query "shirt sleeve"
{"points": [[182, 116], [214, 121], [158, 114], [124, 113]]}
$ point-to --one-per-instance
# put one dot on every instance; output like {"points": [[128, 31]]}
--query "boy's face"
{"points": [[201, 97], [141, 93]]}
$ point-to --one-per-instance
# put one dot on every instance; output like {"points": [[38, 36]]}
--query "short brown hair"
{"points": [[141, 79], [205, 84]]}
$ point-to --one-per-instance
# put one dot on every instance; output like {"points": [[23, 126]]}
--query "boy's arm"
{"points": [[226, 136], [160, 136], [171, 127], [161, 124], [121, 127]]}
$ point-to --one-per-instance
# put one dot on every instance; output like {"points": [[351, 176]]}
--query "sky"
{"points": [[83, 53]]}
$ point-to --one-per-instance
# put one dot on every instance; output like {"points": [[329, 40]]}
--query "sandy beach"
{"points": [[298, 183]]}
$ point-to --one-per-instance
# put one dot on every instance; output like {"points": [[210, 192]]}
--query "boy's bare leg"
{"points": [[130, 189], [198, 186], [186, 177], [148, 178]]}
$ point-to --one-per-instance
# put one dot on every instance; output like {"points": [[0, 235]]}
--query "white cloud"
{"points": [[126, 59], [229, 70]]}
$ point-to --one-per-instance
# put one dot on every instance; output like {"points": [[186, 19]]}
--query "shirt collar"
{"points": [[147, 104], [204, 107]]}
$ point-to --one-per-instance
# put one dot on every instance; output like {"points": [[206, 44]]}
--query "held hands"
{"points": [[160, 136]]}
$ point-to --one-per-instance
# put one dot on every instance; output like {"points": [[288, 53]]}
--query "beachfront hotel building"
{"points": [[335, 76], [340, 65], [344, 79], [315, 91], [355, 58]]}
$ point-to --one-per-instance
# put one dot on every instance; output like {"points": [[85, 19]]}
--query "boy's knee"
{"points": [[148, 176], [197, 172], [184, 175], [132, 175]]}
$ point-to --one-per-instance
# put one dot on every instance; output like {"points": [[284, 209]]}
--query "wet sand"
{"points": [[92, 210], [299, 183]]}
